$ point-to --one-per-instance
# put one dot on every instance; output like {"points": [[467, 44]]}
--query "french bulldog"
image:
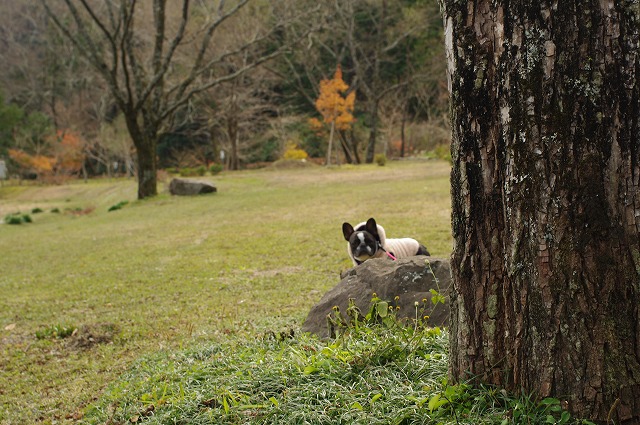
{"points": [[368, 240]]}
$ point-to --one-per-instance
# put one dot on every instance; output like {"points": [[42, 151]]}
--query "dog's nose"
{"points": [[364, 249]]}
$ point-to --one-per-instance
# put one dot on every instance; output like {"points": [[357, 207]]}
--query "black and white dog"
{"points": [[368, 240]]}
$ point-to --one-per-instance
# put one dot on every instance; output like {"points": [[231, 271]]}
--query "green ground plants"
{"points": [[375, 372], [172, 272], [187, 310]]}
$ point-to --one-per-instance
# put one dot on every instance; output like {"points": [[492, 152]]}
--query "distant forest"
{"points": [[235, 83]]}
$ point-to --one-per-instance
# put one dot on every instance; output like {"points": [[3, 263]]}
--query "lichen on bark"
{"points": [[545, 199]]}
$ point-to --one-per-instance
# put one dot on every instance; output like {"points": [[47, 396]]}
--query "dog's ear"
{"points": [[372, 228], [347, 230]]}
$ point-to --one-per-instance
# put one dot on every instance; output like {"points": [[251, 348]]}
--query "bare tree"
{"points": [[111, 147], [238, 115], [42, 72], [546, 200], [372, 37], [238, 109], [149, 71]]}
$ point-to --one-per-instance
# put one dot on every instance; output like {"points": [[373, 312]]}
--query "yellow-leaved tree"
{"points": [[336, 110]]}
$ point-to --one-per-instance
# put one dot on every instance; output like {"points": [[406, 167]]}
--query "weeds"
{"points": [[375, 373], [378, 371], [216, 168], [356, 379], [384, 312], [117, 206], [56, 332]]}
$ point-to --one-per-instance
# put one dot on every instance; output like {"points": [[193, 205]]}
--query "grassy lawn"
{"points": [[162, 274]]}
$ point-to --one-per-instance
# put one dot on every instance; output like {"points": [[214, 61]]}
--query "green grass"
{"points": [[377, 373], [181, 310], [170, 271], [373, 377]]}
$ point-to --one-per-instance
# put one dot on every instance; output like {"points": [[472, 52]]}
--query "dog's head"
{"points": [[364, 241]]}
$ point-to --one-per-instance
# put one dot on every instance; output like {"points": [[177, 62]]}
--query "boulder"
{"points": [[410, 279], [186, 187]]}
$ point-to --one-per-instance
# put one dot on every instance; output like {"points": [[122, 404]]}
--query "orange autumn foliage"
{"points": [[65, 156], [316, 126], [69, 151], [38, 164], [330, 103]]}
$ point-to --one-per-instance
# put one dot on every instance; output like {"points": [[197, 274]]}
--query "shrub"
{"points": [[293, 152], [55, 210], [192, 172], [118, 206], [441, 152], [216, 168], [13, 219], [17, 218], [380, 159], [36, 211]]}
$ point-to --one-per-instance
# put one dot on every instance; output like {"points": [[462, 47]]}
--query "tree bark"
{"points": [[346, 150], [147, 170], [330, 144], [372, 120], [403, 123], [145, 143], [232, 133], [545, 112], [354, 146]]}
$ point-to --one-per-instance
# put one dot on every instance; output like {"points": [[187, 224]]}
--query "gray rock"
{"points": [[185, 187], [409, 279]]}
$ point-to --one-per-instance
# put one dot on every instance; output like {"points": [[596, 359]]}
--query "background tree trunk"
{"points": [[232, 133], [145, 144], [346, 150], [372, 121], [147, 169], [329, 146], [546, 200]]}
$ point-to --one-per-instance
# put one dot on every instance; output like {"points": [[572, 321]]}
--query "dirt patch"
{"points": [[86, 336], [288, 164], [277, 272]]}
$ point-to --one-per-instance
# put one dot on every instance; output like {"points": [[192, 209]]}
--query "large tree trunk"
{"points": [[145, 144], [147, 169], [546, 200]]}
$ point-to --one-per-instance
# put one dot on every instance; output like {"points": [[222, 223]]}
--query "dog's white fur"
{"points": [[400, 247]]}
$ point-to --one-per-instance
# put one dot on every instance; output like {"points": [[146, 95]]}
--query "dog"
{"points": [[368, 240]]}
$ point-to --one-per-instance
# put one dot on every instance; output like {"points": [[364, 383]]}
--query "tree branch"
{"points": [[85, 46]]}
